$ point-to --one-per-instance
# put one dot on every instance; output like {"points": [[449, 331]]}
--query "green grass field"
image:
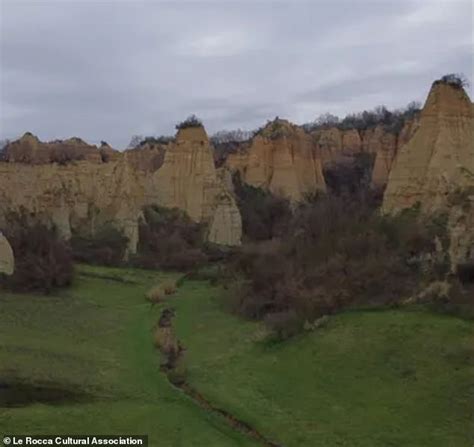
{"points": [[96, 339], [368, 379], [372, 379]]}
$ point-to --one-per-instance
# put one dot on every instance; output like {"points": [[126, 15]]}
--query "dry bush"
{"points": [[459, 301], [352, 177], [43, 261], [264, 215], [169, 287], [107, 246], [178, 372], [169, 239], [465, 272], [154, 295], [190, 121], [283, 324], [334, 255], [165, 341]]}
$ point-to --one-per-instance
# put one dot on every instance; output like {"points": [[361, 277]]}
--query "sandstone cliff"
{"points": [[189, 180], [148, 157], [282, 159], [337, 146], [29, 149], [387, 145], [91, 190], [435, 169], [78, 196], [7, 262]]}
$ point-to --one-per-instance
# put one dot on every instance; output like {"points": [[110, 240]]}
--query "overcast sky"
{"points": [[106, 70]]}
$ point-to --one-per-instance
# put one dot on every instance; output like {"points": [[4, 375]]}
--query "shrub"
{"points": [[154, 295], [459, 301], [284, 324], [354, 177], [43, 262], [162, 139], [178, 373], [264, 215], [169, 287], [107, 246], [336, 253], [466, 272], [457, 80], [392, 121], [169, 239], [273, 129], [190, 121]]}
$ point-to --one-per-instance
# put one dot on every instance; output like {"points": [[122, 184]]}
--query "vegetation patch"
{"points": [[169, 239], [43, 261], [457, 80], [94, 338], [190, 121], [391, 121], [335, 253], [106, 246], [361, 379], [264, 215]]}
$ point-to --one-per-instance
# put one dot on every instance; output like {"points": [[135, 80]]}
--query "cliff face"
{"points": [[189, 180], [83, 195], [386, 148], [336, 145], [78, 196], [341, 146], [282, 159], [436, 167], [29, 149], [147, 158]]}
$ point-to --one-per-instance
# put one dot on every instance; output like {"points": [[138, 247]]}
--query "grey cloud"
{"points": [[107, 70]]}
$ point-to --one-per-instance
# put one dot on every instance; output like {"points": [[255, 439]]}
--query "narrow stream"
{"points": [[172, 351]]}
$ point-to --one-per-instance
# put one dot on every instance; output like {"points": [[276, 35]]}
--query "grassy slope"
{"points": [[96, 338], [368, 379]]}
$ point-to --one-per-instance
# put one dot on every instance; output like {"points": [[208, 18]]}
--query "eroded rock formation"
{"points": [[86, 192], [78, 196], [337, 146], [387, 145], [189, 180], [282, 159], [7, 261], [435, 169], [29, 149]]}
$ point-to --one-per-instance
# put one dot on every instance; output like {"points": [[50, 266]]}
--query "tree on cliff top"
{"points": [[458, 80], [190, 121]]}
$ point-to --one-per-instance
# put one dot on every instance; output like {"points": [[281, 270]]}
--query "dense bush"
{"points": [[224, 149], [229, 142], [43, 261], [162, 139], [190, 121], [458, 302], [350, 177], [457, 80], [169, 239], [466, 272], [273, 129], [107, 246], [264, 216], [231, 136], [336, 253], [392, 121]]}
